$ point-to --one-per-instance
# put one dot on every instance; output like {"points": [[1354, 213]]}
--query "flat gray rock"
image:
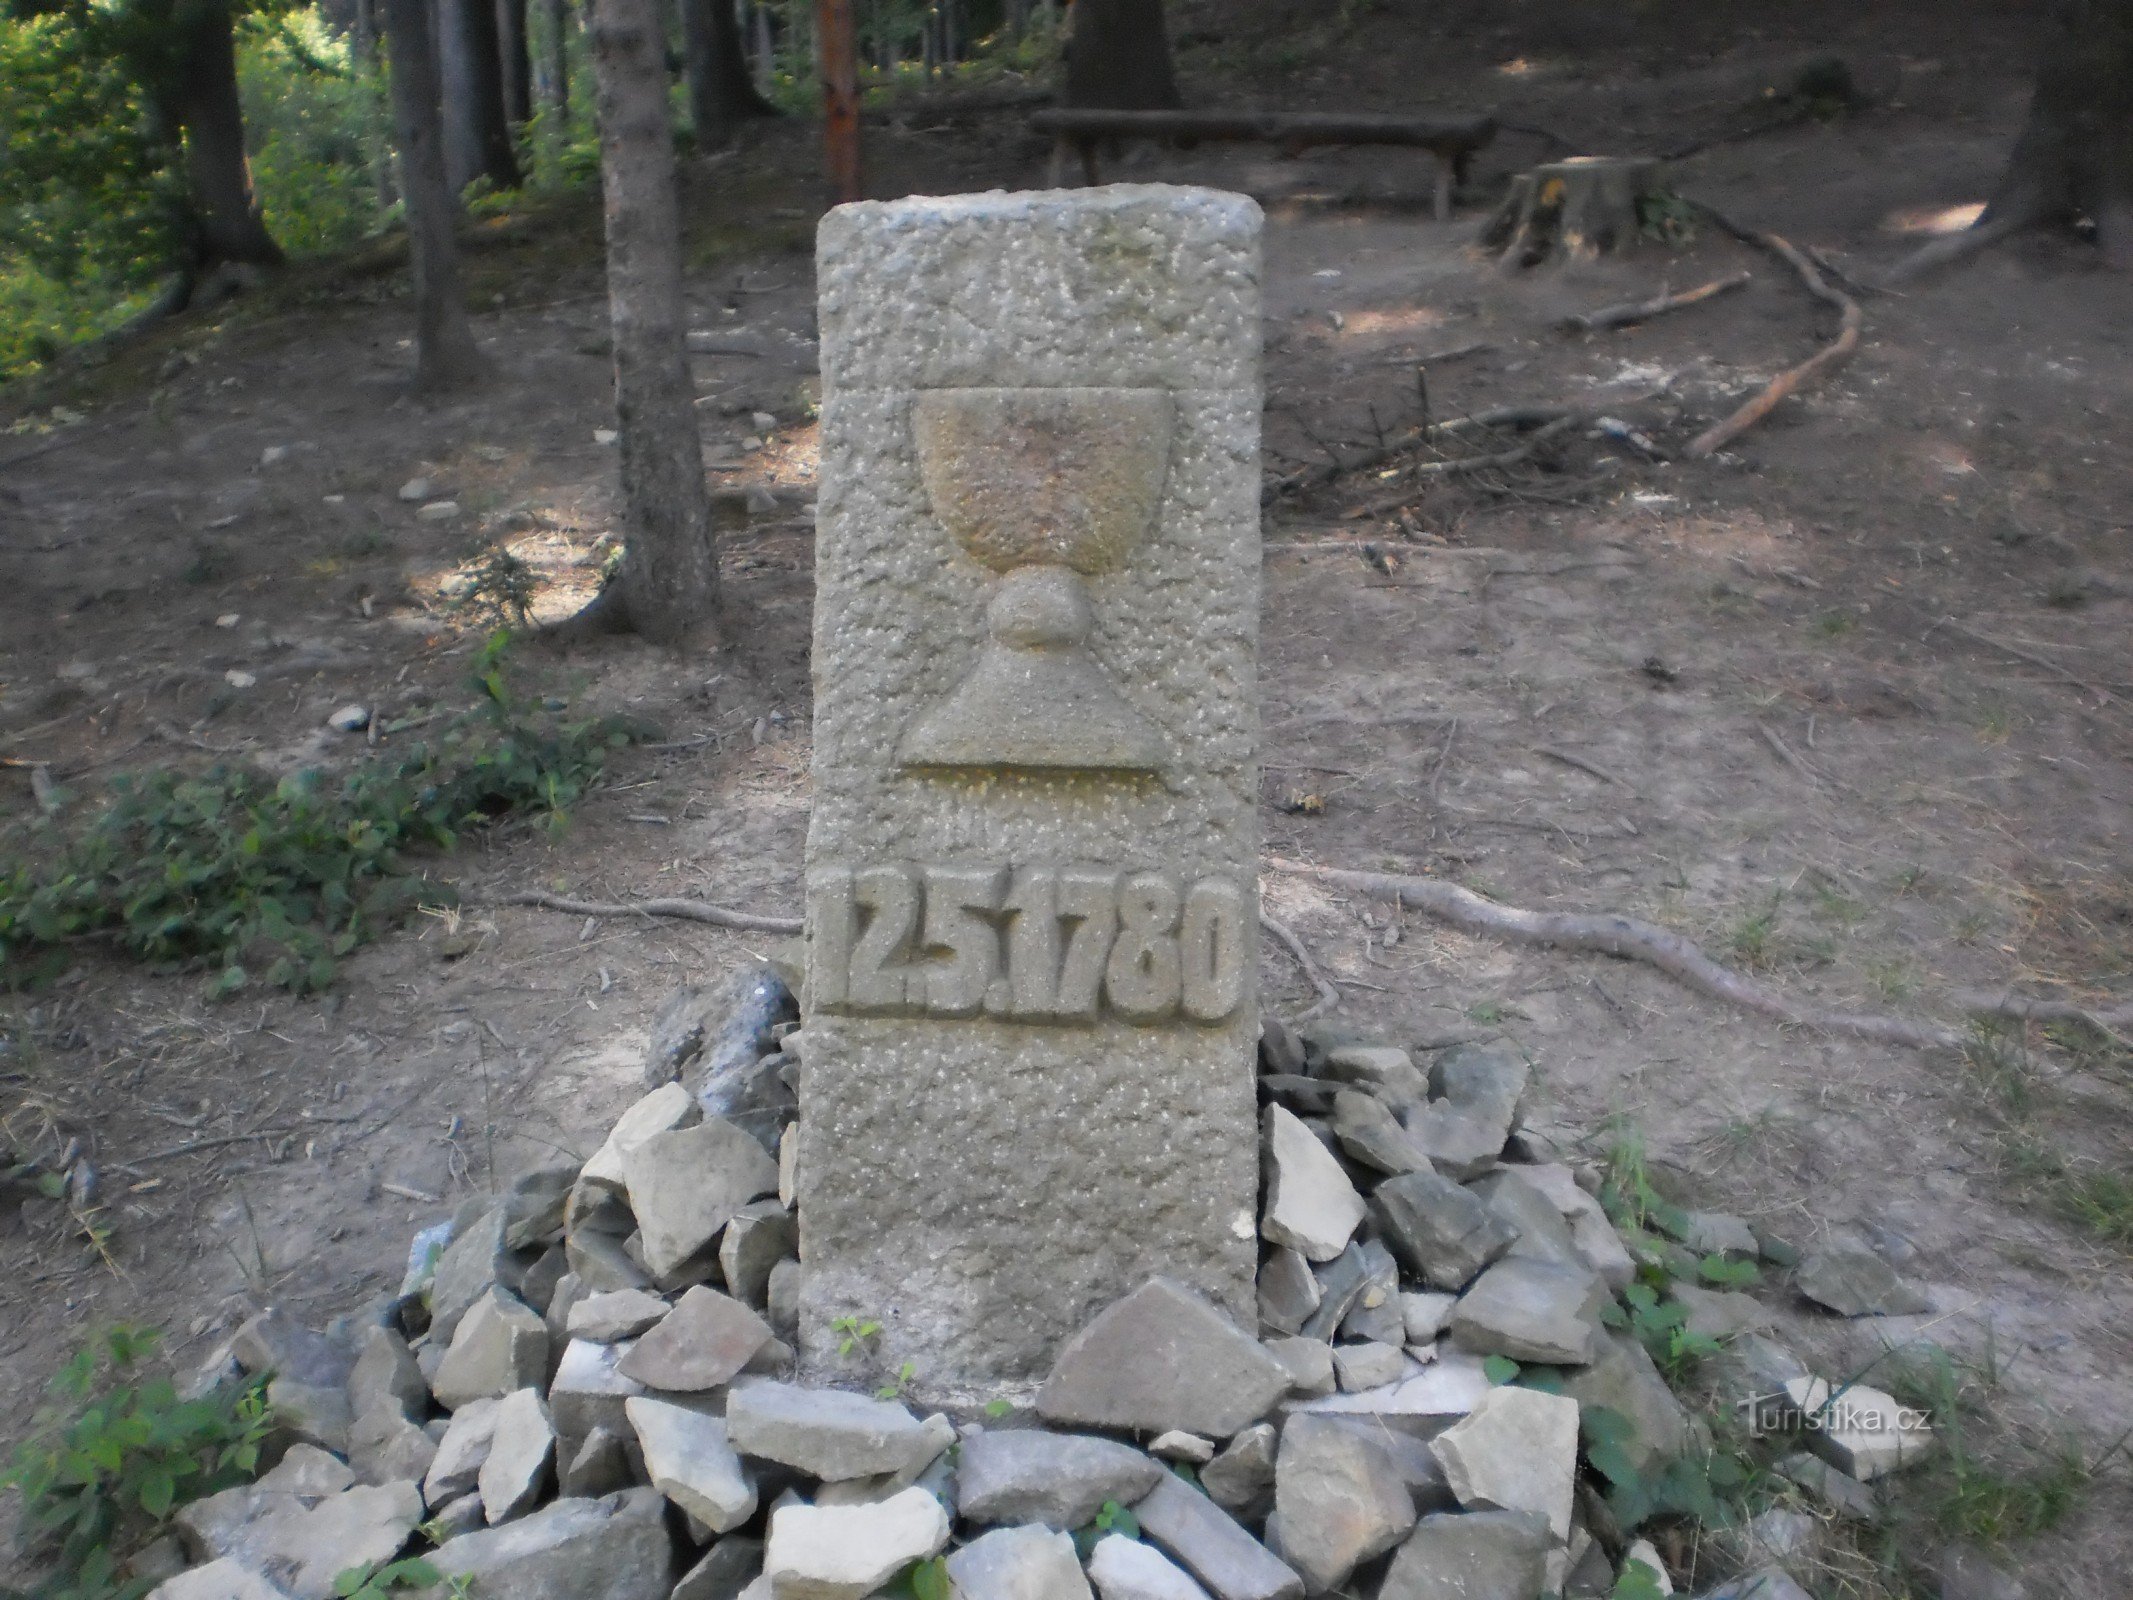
{"points": [[385, 1374], [476, 1260], [456, 1467], [1765, 1583], [1443, 1391], [1368, 1366], [1162, 1358], [1516, 1451], [1483, 1555], [600, 1466], [1371, 1134], [1311, 1206], [588, 1392], [727, 1568], [703, 1343], [1209, 1544], [1339, 1500], [687, 1183], [1126, 1569], [223, 1579], [615, 1548], [1624, 1380], [1543, 1231], [1241, 1475], [1857, 1283], [761, 1234], [1722, 1314], [826, 1433], [614, 1316], [1308, 1363], [1288, 1292], [1027, 1563], [299, 1543], [384, 1447], [521, 1454], [1531, 1311], [1439, 1231], [1389, 1071], [846, 1552], [501, 1345], [1363, 1277], [689, 1459], [1478, 1089]]}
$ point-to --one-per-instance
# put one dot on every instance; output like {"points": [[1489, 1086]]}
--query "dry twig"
{"points": [[1328, 996], [1830, 357], [685, 910], [1644, 310]]}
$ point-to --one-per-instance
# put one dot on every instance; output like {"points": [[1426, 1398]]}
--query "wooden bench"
{"points": [[1452, 141]]}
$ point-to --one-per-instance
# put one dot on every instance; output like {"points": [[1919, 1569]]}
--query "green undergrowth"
{"points": [[115, 1453], [262, 878]]}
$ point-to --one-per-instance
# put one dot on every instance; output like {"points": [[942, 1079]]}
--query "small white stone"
{"points": [[764, 422], [238, 678], [605, 435], [335, 499], [229, 619], [415, 489], [751, 443], [272, 454], [439, 511], [1126, 1569], [349, 719], [845, 1552], [1858, 1430], [1178, 1445], [1310, 1204], [1426, 1315]]}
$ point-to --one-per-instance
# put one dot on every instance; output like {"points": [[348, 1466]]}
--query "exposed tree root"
{"points": [[1644, 310], [1980, 235], [1524, 416], [1602, 933], [1826, 360]]}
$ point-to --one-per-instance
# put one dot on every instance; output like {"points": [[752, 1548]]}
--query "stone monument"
{"points": [[1032, 870]]}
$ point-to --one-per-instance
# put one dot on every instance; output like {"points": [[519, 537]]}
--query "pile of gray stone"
{"points": [[587, 1388]]}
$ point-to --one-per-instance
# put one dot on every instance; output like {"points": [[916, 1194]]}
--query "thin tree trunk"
{"points": [[721, 92], [555, 78], [1017, 20], [1118, 57], [668, 587], [226, 221], [837, 65], [445, 353], [377, 140], [766, 49], [477, 139], [515, 61]]}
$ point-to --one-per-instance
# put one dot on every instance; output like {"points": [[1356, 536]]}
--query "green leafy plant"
{"points": [[1661, 1327], [116, 1452], [996, 1409], [381, 1579], [244, 872], [894, 1389], [852, 1332], [1727, 1274], [1111, 1517], [1499, 1370]]}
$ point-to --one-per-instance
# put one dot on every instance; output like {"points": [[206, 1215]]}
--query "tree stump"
{"points": [[1573, 210]]}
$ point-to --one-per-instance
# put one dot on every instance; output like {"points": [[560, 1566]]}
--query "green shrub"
{"points": [[240, 870], [116, 1452]]}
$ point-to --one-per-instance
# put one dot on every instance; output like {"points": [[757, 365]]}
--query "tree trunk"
{"points": [[377, 141], [445, 353], [2074, 156], [1118, 57], [226, 222], [555, 84], [477, 139], [721, 92], [515, 61], [668, 587], [766, 50], [837, 64]]}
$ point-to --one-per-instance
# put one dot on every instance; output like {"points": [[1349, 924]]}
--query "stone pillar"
{"points": [[1032, 870]]}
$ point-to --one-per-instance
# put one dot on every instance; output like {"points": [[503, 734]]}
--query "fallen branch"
{"points": [[1527, 416], [1830, 357], [1328, 996], [684, 910], [1980, 235], [2019, 654], [1441, 469], [1644, 310]]}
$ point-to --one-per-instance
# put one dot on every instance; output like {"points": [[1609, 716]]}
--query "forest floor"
{"points": [[1847, 703]]}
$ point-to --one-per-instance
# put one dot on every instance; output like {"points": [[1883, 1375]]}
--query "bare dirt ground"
{"points": [[1848, 704]]}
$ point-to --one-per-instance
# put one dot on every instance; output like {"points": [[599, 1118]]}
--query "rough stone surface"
{"points": [[299, 1542], [501, 1345], [1722, 1313], [1595, 1236], [610, 1549], [1425, 1315], [845, 1552], [1178, 1445], [1339, 1500], [521, 1453], [1288, 1292], [1308, 1363], [1717, 1233], [703, 1343], [1478, 1089], [385, 1374], [456, 1468], [1516, 1451], [727, 1568], [1018, 1564], [1163, 1358], [1531, 1310], [1126, 1569], [687, 1183], [1500, 1555], [601, 1465], [1443, 1391], [609, 1318], [1437, 1229], [1208, 1542], [1243, 1472], [1311, 1207], [1857, 1283], [690, 1461], [1390, 1072], [588, 1392], [761, 1234], [476, 1259], [1368, 1366], [384, 1447], [825, 1433], [1623, 1379], [1765, 1583], [223, 1580], [1371, 1134], [1860, 1431], [1543, 1231], [974, 1172]]}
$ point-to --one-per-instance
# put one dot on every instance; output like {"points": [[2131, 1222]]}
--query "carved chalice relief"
{"points": [[1048, 488]]}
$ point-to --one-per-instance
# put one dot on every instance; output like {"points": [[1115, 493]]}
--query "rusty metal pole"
{"points": [[837, 38]]}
